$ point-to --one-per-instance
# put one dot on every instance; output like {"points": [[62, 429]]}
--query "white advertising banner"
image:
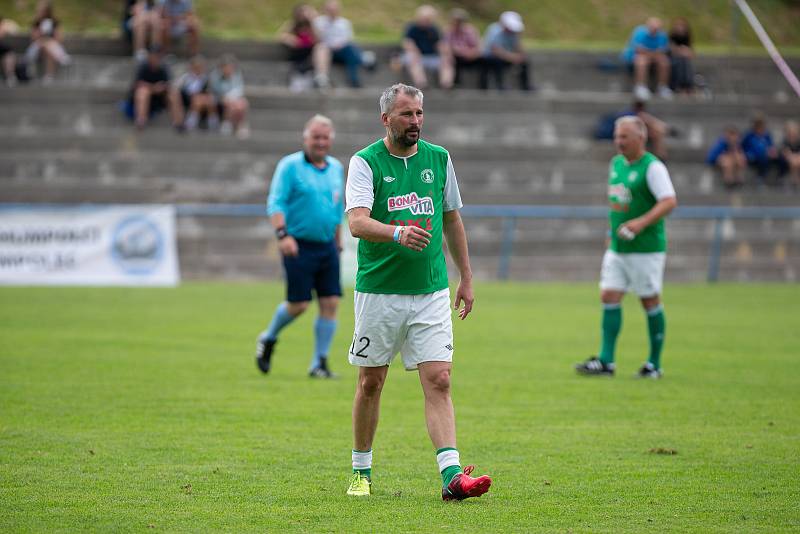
{"points": [[88, 245]]}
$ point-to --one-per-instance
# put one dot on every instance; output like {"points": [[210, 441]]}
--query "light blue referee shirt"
{"points": [[309, 198]]}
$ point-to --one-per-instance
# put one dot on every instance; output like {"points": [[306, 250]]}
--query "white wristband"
{"points": [[398, 232]]}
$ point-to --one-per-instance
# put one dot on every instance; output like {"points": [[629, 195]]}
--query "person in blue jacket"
{"points": [[727, 156]]}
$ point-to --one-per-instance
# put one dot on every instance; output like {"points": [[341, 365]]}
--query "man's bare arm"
{"points": [[362, 226], [457, 243]]}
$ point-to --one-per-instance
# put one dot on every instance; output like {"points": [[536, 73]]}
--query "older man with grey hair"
{"points": [[641, 195], [402, 197], [305, 207]]}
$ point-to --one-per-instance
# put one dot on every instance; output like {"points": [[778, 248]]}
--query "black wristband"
{"points": [[281, 232]]}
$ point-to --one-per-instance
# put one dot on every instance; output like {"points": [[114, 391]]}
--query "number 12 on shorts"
{"points": [[364, 340]]}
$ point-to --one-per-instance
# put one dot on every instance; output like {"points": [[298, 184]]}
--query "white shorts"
{"points": [[420, 327], [641, 273]]}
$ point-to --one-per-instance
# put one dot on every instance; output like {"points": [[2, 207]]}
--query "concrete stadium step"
{"points": [[103, 184], [229, 248], [552, 70], [550, 129], [237, 177], [159, 136], [191, 192], [241, 166], [364, 101], [259, 50]]}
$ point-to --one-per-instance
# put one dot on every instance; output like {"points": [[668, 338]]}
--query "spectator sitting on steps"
{"points": [[336, 43], [727, 156], [300, 39], [8, 59], [503, 49], [790, 151], [178, 19], [143, 24], [191, 93], [150, 91], [464, 42], [681, 55], [227, 86], [648, 46], [760, 151], [424, 49], [46, 39], [657, 129]]}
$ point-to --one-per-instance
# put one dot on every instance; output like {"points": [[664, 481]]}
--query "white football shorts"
{"points": [[420, 327], [641, 273]]}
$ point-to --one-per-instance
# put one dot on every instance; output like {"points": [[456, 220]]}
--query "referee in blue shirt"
{"points": [[305, 206]]}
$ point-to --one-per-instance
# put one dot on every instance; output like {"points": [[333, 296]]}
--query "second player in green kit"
{"points": [[640, 196]]}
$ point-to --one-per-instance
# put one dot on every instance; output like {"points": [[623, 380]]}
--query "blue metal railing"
{"points": [[509, 216]]}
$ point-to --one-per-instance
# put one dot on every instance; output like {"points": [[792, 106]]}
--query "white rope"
{"points": [[769, 45]]}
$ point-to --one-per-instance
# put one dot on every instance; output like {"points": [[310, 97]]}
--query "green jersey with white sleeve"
{"points": [[413, 190], [634, 187]]}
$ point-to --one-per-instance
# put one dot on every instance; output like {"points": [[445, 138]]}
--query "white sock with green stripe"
{"points": [[449, 463], [362, 462]]}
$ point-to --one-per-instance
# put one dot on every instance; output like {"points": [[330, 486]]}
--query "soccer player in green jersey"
{"points": [[402, 196], [641, 195]]}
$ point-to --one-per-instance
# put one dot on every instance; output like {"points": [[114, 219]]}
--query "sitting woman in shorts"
{"points": [[46, 40], [191, 92], [300, 40], [227, 86]]}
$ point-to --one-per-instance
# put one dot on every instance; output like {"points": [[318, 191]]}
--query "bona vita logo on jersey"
{"points": [[619, 197], [411, 202]]}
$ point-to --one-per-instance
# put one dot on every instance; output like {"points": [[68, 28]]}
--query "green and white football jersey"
{"points": [[633, 189], [402, 191]]}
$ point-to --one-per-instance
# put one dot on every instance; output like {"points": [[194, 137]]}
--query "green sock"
{"points": [[364, 472], [612, 323], [447, 455], [362, 463], [656, 326], [449, 473]]}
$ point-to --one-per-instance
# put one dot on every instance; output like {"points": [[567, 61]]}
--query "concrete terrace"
{"points": [[68, 143]]}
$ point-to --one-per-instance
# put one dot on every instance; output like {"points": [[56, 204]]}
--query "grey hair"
{"points": [[638, 124], [318, 119], [389, 96]]}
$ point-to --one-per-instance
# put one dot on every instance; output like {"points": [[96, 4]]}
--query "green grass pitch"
{"points": [[141, 410]]}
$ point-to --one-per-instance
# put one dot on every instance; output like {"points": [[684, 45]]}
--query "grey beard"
{"points": [[402, 139]]}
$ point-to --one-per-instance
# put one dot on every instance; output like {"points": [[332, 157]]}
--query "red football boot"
{"points": [[463, 486]]}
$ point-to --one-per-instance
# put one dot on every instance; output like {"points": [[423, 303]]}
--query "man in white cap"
{"points": [[503, 49]]}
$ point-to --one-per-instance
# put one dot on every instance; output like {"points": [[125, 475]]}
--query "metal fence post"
{"points": [[716, 251], [507, 247]]}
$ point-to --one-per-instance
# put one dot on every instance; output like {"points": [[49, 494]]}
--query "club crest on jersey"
{"points": [[632, 176], [427, 176], [411, 202], [388, 179]]}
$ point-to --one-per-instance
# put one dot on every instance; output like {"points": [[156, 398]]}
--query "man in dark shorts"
{"points": [[305, 206], [150, 88], [8, 60]]}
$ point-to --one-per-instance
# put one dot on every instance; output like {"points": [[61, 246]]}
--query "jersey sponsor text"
{"points": [[411, 202]]}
